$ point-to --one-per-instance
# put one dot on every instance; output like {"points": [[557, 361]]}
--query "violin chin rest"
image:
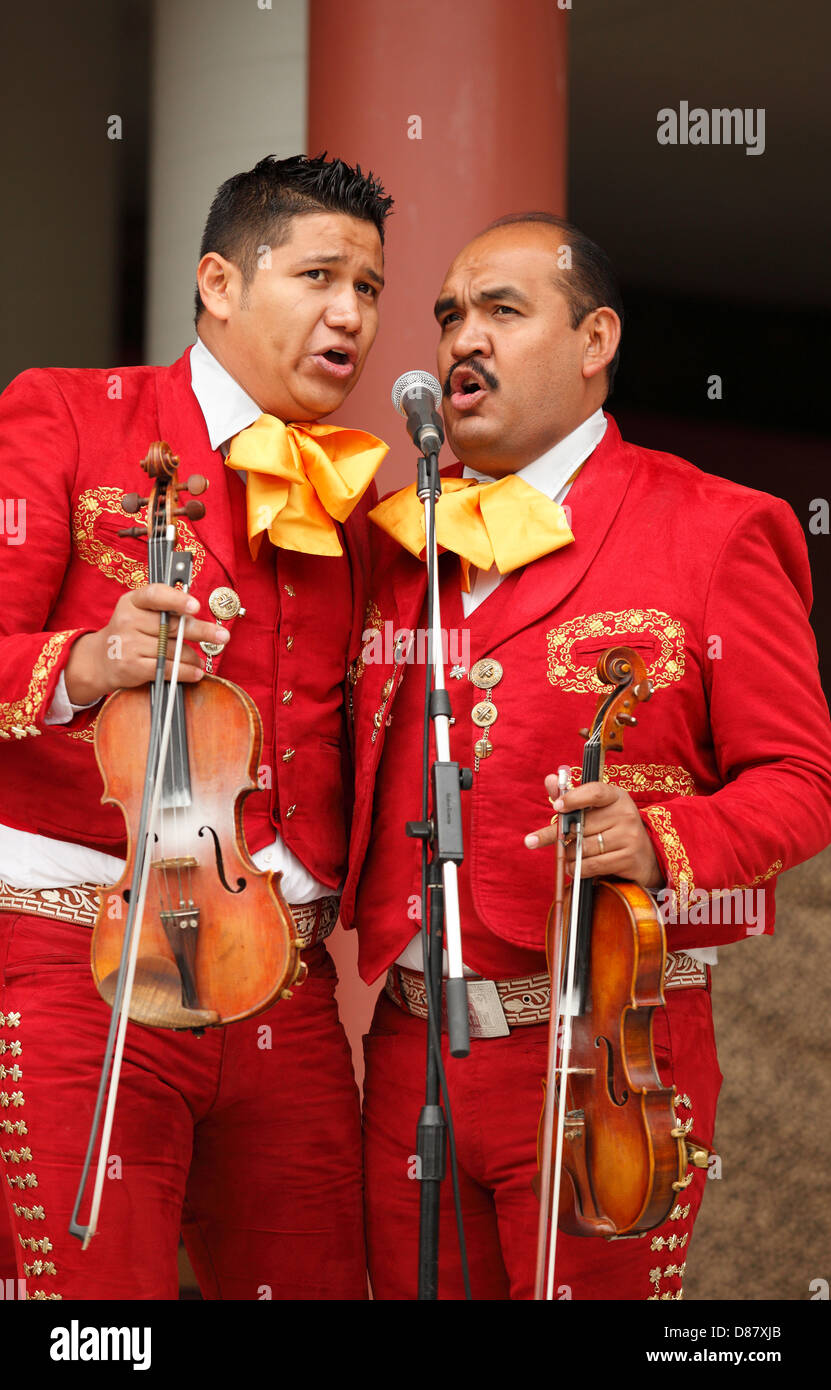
{"points": [[157, 996]]}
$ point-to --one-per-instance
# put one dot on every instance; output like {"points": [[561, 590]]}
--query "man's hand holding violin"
{"points": [[615, 841], [123, 654]]}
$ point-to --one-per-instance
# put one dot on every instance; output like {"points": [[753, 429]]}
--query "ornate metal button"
{"points": [[485, 674], [484, 714], [212, 648], [287, 697], [225, 603], [289, 643], [290, 810], [483, 747], [289, 754]]}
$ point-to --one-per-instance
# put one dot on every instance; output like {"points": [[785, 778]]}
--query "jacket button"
{"points": [[289, 754], [287, 696], [289, 590], [289, 643], [290, 810]]}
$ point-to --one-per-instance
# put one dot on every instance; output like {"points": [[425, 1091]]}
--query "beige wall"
{"points": [[228, 87]]}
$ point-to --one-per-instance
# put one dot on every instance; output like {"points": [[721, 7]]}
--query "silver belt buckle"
{"points": [[485, 1013]]}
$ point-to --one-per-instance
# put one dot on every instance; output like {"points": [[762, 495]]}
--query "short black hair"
{"points": [[255, 208], [591, 282]]}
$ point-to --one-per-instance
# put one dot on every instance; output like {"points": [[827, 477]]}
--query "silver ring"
{"points": [[600, 843]]}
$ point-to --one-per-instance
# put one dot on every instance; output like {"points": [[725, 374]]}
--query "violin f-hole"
{"points": [[610, 1071], [220, 867]]}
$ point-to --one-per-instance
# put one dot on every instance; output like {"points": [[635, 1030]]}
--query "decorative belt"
{"points": [[79, 904], [497, 1006]]}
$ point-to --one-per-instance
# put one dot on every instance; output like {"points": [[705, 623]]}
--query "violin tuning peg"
{"points": [[195, 485], [139, 532], [584, 733], [193, 510], [626, 719], [131, 502]]}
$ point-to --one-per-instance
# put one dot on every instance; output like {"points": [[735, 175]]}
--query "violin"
{"points": [[611, 1154], [193, 935], [217, 937]]}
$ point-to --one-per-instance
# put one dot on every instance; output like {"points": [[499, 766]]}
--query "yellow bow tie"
{"points": [[300, 477], [507, 523]]}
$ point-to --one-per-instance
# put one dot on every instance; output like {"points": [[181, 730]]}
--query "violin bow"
{"points": [[560, 1023], [179, 571]]}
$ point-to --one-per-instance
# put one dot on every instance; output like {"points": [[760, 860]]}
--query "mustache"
{"points": [[478, 369]]}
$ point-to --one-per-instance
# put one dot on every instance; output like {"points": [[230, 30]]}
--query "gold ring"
{"points": [[600, 843]]}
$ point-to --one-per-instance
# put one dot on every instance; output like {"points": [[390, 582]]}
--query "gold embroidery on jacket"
{"points": [[610, 628], [17, 717], [372, 621], [668, 779], [86, 735], [775, 868], [679, 869], [105, 556]]}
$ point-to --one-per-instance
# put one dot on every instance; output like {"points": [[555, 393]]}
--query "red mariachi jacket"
{"points": [[70, 445], [729, 761]]}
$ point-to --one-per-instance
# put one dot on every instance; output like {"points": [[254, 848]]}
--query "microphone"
{"points": [[417, 395]]}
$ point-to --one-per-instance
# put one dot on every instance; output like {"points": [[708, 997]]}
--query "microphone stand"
{"points": [[443, 834]]}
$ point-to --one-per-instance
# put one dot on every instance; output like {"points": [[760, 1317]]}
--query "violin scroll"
{"points": [[625, 669], [161, 464]]}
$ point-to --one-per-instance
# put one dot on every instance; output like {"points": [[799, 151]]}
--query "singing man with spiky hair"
{"points": [[247, 1139]]}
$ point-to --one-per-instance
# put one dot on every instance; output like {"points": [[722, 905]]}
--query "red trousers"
{"points": [[496, 1098], [246, 1139]]}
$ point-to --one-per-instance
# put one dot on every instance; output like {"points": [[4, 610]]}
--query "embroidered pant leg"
{"points": [[643, 1267], [274, 1197], [55, 1027], [496, 1096]]}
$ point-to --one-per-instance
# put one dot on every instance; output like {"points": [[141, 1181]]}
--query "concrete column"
{"points": [[461, 110]]}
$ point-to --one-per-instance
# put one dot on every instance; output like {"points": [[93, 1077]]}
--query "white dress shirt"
{"points": [[37, 861]]}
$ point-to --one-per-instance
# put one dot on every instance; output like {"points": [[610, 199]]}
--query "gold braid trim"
{"points": [[679, 869], [17, 717]]}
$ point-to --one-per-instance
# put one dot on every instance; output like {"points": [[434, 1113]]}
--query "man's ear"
{"points": [[219, 284], [602, 329]]}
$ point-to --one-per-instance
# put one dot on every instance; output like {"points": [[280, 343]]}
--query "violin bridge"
{"points": [[185, 861]]}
